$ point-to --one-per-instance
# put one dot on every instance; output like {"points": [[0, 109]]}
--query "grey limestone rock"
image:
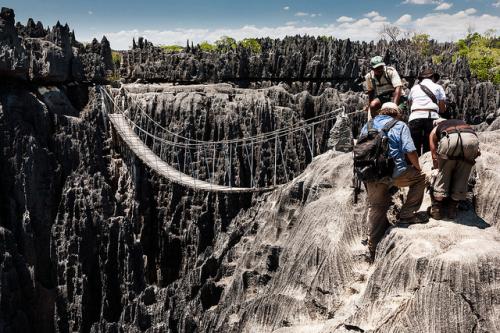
{"points": [[13, 60], [50, 56], [111, 247]]}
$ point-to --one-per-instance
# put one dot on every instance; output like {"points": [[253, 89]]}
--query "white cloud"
{"points": [[405, 19], [303, 14], [344, 19], [372, 14], [445, 27], [496, 4], [444, 6], [439, 25], [90, 12], [286, 8], [470, 11], [379, 18]]}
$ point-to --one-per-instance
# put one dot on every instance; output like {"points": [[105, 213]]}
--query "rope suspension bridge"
{"points": [[256, 163]]}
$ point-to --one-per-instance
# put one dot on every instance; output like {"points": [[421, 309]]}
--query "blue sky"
{"points": [[172, 22]]}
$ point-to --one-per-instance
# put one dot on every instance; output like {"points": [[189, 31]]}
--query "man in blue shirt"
{"points": [[401, 149]]}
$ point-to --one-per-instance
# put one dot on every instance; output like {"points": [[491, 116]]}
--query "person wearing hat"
{"points": [[401, 149], [454, 147], [383, 84], [427, 100]]}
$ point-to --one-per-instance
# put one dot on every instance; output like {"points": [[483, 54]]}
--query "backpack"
{"points": [[371, 160]]}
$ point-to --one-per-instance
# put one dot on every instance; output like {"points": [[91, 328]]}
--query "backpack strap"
{"points": [[389, 125], [369, 125], [429, 93]]}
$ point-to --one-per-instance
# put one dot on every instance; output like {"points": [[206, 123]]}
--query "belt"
{"points": [[426, 110], [457, 158], [458, 131]]}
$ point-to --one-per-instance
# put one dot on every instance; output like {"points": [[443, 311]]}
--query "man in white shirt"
{"points": [[427, 100]]}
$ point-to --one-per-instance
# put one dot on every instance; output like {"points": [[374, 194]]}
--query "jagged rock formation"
{"points": [[112, 247], [49, 56]]}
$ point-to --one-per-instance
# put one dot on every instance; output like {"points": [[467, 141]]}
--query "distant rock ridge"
{"points": [[313, 64], [49, 56], [297, 58]]}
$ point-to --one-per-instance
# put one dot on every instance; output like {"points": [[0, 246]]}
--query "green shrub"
{"points": [[226, 43], [421, 43], [326, 38], [207, 47], [437, 59], [116, 57], [251, 44], [172, 48], [483, 55]]}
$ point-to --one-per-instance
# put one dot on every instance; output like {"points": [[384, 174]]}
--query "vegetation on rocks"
{"points": [[483, 55], [251, 44], [172, 48]]}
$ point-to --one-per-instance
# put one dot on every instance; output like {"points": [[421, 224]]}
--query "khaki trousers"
{"points": [[453, 175], [379, 201]]}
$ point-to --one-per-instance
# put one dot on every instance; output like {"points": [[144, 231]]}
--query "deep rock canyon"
{"points": [[91, 240]]}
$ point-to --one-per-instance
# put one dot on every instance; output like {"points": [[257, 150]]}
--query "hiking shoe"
{"points": [[419, 217], [436, 211], [452, 209]]}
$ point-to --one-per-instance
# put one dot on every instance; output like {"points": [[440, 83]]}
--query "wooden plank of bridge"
{"points": [[145, 154]]}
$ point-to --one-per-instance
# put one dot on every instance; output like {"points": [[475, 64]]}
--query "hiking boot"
{"points": [[436, 211], [452, 209], [372, 249], [419, 217]]}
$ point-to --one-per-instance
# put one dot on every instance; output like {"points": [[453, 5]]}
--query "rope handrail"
{"points": [[256, 139], [270, 134], [217, 143]]}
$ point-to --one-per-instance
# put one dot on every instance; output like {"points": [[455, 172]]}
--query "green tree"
{"points": [[226, 43], [172, 48], [483, 55], [207, 47], [421, 43], [251, 44], [116, 58]]}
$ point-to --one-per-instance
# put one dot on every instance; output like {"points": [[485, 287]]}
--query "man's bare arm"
{"points": [[397, 95], [433, 143], [413, 157], [442, 106]]}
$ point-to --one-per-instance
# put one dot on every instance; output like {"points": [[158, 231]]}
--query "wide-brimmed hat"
{"points": [[377, 61], [426, 73], [390, 106]]}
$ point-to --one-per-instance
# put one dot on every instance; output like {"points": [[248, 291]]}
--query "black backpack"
{"points": [[371, 160]]}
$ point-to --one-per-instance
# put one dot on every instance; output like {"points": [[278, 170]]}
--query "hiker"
{"points": [[454, 147], [383, 84], [400, 147], [427, 100]]}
